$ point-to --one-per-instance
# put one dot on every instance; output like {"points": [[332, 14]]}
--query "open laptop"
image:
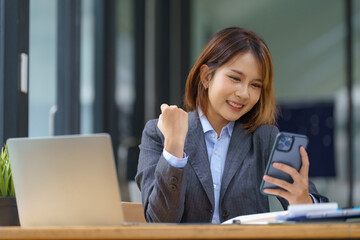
{"points": [[65, 181]]}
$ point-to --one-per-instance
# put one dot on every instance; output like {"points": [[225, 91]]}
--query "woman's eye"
{"points": [[234, 78], [257, 85]]}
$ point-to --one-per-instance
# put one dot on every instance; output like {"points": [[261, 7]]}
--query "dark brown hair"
{"points": [[221, 48]]}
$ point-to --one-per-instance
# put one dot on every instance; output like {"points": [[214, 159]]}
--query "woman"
{"points": [[206, 165]]}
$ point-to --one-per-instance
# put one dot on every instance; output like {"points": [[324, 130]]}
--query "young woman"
{"points": [[206, 165]]}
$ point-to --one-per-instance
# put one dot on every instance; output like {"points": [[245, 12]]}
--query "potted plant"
{"points": [[8, 208]]}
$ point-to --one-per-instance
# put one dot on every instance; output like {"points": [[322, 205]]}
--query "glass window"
{"points": [[87, 66], [42, 66], [125, 87], [356, 97]]}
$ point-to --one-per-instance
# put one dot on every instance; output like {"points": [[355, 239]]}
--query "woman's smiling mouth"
{"points": [[235, 106]]}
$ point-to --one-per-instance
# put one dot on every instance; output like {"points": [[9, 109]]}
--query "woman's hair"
{"points": [[221, 48]]}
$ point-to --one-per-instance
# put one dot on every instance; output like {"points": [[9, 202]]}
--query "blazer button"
{"points": [[226, 214], [173, 180], [173, 187]]}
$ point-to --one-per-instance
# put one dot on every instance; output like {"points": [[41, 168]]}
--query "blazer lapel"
{"points": [[239, 147], [195, 144]]}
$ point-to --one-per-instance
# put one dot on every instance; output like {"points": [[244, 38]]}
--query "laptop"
{"points": [[65, 181]]}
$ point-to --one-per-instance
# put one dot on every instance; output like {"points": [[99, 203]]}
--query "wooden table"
{"points": [[157, 231]]}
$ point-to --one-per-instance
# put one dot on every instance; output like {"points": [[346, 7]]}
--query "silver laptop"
{"points": [[65, 181]]}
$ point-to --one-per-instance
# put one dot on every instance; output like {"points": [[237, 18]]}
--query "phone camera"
{"points": [[284, 143], [280, 146]]}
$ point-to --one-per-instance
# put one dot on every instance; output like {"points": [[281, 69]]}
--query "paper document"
{"points": [[322, 212], [303, 209], [260, 218], [296, 212]]}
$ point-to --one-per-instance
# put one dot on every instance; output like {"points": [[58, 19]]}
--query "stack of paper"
{"points": [[320, 212], [261, 218], [300, 212]]}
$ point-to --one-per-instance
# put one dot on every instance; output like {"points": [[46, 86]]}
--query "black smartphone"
{"points": [[286, 149]]}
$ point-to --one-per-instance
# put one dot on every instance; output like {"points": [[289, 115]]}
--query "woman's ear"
{"points": [[205, 75]]}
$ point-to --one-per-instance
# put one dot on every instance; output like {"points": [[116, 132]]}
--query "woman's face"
{"points": [[234, 89]]}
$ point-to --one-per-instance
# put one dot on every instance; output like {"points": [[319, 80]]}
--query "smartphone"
{"points": [[286, 149]]}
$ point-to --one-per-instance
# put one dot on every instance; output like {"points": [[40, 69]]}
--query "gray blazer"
{"points": [[171, 194]]}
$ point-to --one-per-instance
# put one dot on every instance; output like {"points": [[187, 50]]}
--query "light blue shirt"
{"points": [[217, 148]]}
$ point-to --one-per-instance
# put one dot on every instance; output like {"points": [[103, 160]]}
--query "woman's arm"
{"points": [[162, 185]]}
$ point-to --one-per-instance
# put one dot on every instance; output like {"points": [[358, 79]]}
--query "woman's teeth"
{"points": [[236, 105]]}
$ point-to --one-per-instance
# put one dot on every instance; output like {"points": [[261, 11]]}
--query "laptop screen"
{"points": [[65, 180]]}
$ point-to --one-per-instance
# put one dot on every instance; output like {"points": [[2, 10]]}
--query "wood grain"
{"points": [[187, 231]]}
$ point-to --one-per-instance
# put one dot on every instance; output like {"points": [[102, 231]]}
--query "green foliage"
{"points": [[6, 180]]}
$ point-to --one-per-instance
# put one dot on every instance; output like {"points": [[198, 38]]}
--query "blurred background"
{"points": [[107, 65]]}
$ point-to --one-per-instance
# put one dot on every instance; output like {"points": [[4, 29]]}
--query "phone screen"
{"points": [[286, 149]]}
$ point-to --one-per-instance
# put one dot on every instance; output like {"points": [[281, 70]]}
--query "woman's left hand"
{"points": [[298, 191]]}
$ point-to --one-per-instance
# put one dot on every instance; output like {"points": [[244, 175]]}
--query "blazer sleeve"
{"points": [[162, 186]]}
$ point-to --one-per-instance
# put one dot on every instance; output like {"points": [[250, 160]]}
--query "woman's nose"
{"points": [[242, 92]]}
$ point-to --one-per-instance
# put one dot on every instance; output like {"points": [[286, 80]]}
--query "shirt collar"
{"points": [[207, 126]]}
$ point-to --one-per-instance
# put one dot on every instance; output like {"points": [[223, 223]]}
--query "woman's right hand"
{"points": [[173, 124]]}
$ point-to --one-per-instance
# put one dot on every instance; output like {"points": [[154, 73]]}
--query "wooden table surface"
{"points": [[187, 231]]}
